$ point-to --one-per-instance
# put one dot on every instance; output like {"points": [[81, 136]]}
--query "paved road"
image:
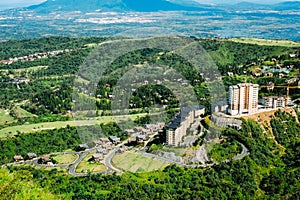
{"points": [[245, 152], [72, 167], [108, 158]]}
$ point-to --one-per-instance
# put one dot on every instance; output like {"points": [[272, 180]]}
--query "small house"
{"points": [[114, 139], [18, 158], [141, 138], [31, 155], [97, 142], [104, 140], [101, 150], [83, 147], [45, 159], [97, 157], [122, 149]]}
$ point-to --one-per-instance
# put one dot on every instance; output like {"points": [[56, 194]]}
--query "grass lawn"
{"points": [[65, 158], [31, 128], [5, 117], [90, 166], [135, 162], [29, 69], [283, 43], [177, 151]]}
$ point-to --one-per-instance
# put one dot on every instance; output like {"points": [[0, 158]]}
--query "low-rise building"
{"points": [[31, 155], [114, 139], [101, 150], [18, 158], [45, 159], [122, 149], [177, 128], [220, 106], [97, 157], [83, 147], [275, 101], [141, 138]]}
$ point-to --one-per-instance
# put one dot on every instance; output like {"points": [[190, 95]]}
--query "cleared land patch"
{"points": [[91, 166], [31, 128], [65, 158], [135, 162], [21, 113], [5, 117], [264, 42]]}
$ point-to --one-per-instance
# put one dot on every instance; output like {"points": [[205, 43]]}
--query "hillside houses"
{"points": [[35, 56]]}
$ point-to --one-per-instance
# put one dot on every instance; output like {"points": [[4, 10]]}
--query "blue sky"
{"points": [[20, 3]]}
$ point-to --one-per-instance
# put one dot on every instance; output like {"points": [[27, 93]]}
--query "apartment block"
{"points": [[243, 99], [177, 128], [275, 101]]}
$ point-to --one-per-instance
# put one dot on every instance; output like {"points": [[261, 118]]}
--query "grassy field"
{"points": [[283, 43], [5, 117], [31, 69], [134, 162], [90, 166], [21, 113], [65, 158], [31, 128], [176, 150]]}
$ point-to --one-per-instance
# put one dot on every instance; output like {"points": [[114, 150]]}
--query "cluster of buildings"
{"points": [[18, 158], [103, 146], [45, 160], [274, 102], [141, 134], [243, 99], [177, 128], [34, 56]]}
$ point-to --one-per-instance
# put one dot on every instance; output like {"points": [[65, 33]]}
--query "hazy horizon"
{"points": [[4, 4]]}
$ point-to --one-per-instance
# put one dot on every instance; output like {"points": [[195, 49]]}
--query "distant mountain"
{"points": [[289, 5], [110, 5], [250, 6]]}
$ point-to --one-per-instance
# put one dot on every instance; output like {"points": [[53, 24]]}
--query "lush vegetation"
{"points": [[50, 86], [225, 150], [271, 171], [264, 174], [40, 143], [57, 140]]}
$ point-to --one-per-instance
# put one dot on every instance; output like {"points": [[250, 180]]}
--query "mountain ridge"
{"points": [[107, 5]]}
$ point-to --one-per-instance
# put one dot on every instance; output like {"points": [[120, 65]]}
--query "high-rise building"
{"points": [[243, 98]]}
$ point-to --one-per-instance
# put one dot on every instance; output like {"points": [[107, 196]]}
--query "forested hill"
{"points": [[234, 57]]}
